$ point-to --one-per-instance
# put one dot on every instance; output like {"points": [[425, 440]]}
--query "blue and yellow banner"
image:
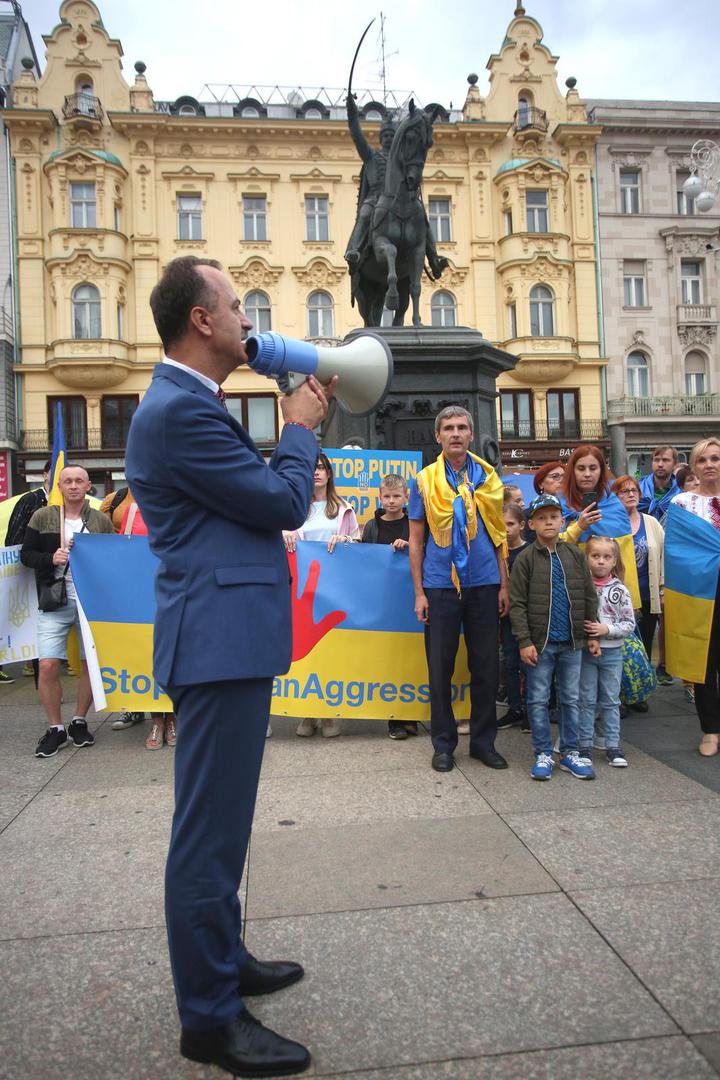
{"points": [[692, 561], [358, 473], [614, 523], [57, 458], [358, 649]]}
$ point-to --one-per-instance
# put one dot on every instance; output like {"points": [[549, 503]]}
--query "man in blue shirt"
{"points": [[457, 560]]}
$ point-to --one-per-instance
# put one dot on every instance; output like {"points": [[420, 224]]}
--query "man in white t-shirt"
{"points": [[47, 553]]}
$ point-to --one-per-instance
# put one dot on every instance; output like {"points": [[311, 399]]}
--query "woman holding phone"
{"points": [[585, 486]]}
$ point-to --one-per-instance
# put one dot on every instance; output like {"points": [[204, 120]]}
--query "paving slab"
{"points": [[388, 864], [364, 746], [709, 1047], [669, 937], [672, 1058], [11, 804], [514, 791], [101, 854], [342, 799], [487, 967], [629, 845]]}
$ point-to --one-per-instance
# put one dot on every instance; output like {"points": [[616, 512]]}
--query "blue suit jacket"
{"points": [[214, 511]]}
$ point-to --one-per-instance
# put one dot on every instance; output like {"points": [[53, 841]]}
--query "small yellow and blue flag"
{"points": [[692, 562], [57, 459]]}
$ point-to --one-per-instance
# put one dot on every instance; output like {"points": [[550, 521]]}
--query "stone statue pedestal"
{"points": [[433, 367]]}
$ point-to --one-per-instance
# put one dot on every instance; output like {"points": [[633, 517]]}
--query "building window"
{"points": [[257, 413], [74, 420], [189, 217], [536, 203], [118, 218], [563, 414], [317, 221], [695, 374], [542, 319], [82, 206], [512, 317], [254, 217], [440, 220], [685, 205], [86, 312], [320, 315], [257, 309], [117, 412], [443, 309], [121, 322], [638, 375], [524, 111], [630, 191], [516, 414], [691, 274], [507, 222], [634, 283]]}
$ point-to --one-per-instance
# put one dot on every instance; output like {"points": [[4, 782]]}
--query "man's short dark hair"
{"points": [[46, 467], [179, 290]]}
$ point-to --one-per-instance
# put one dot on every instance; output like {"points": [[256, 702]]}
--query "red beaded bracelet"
{"points": [[297, 423]]}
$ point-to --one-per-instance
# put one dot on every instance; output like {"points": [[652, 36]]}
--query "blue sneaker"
{"points": [[580, 768], [543, 767]]}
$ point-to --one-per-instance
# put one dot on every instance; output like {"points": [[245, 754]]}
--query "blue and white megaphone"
{"points": [[365, 366]]}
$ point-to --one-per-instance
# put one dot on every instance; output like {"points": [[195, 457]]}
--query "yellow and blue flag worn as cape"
{"points": [[692, 561], [614, 523], [452, 512]]}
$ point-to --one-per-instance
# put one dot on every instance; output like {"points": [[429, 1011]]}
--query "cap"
{"points": [[544, 502], [544, 470]]}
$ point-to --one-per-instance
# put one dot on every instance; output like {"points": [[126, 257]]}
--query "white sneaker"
{"points": [[330, 728], [306, 727]]}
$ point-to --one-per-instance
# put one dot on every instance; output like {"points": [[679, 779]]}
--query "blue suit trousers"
{"points": [[220, 741]]}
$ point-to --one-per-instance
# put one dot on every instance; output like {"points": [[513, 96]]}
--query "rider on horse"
{"points": [[372, 181]]}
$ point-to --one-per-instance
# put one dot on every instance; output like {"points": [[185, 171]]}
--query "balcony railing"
{"points": [[40, 441], [530, 117], [696, 313], [82, 105], [539, 431], [687, 405]]}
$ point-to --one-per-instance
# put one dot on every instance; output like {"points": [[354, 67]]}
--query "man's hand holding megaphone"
{"points": [[308, 404]]}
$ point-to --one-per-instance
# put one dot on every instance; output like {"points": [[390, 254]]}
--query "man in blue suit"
{"points": [[215, 512]]}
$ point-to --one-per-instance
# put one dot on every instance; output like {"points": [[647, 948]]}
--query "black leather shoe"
{"points": [[443, 762], [491, 758], [257, 978], [246, 1048]]}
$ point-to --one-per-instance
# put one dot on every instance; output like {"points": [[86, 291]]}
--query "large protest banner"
{"points": [[18, 608], [358, 649], [358, 473]]}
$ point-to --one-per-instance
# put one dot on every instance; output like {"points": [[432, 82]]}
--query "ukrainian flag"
{"points": [[614, 523], [692, 561], [57, 459]]}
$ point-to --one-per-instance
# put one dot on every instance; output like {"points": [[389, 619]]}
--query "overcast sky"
{"points": [[615, 48]]}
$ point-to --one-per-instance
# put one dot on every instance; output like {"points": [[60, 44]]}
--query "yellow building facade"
{"points": [[111, 185]]}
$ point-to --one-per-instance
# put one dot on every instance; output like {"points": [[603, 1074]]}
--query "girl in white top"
{"points": [[330, 520]]}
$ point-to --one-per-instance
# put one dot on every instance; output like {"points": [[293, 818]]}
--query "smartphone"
{"points": [[589, 497]]}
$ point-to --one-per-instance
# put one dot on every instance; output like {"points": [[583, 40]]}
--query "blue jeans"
{"points": [[513, 667], [600, 679], [558, 658]]}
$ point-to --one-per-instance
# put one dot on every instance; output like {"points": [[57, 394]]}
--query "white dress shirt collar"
{"points": [[191, 371]]}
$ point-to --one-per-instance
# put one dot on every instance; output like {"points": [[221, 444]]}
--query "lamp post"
{"points": [[703, 184]]}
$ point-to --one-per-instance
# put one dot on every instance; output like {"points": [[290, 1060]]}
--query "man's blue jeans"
{"points": [[600, 690], [558, 658]]}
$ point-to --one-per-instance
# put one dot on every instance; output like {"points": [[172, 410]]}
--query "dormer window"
{"points": [[187, 110]]}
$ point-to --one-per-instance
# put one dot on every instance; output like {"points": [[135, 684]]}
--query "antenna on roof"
{"points": [[383, 57]]}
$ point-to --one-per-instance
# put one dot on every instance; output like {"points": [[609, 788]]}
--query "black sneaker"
{"points": [[501, 696], [525, 725], [511, 717], [53, 740], [4, 677], [396, 730], [78, 732], [662, 676]]}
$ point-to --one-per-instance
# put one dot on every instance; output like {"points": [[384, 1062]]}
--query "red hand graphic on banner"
{"points": [[306, 632]]}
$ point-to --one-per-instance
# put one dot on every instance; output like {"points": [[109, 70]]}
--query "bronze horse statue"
{"points": [[389, 273]]}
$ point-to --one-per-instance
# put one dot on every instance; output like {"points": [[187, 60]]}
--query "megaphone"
{"points": [[365, 366]]}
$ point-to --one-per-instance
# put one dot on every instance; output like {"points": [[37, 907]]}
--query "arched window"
{"points": [[443, 309], [638, 375], [695, 373], [187, 110], [320, 315], [524, 109], [86, 312], [542, 315], [85, 96], [257, 309]]}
